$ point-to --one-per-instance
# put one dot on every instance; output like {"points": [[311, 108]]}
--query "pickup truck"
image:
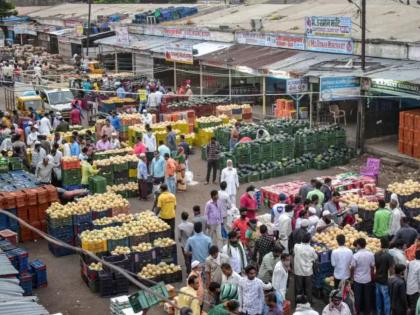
{"points": [[58, 100]]}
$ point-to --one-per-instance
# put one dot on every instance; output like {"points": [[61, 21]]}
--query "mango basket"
{"points": [[82, 218], [166, 254], [59, 222], [141, 259], [101, 214], [112, 244], [172, 277], [161, 234]]}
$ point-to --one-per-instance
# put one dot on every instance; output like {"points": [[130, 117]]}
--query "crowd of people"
{"points": [[241, 267]]}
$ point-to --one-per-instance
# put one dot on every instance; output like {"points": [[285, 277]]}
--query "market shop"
{"points": [[244, 81], [389, 102]]}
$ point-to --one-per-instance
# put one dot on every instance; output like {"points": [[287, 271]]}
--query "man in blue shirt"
{"points": [[121, 92], [163, 149], [75, 147], [198, 245], [116, 121], [142, 175], [157, 169]]}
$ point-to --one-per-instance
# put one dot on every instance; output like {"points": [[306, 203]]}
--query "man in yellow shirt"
{"points": [[166, 205], [190, 299], [87, 171]]}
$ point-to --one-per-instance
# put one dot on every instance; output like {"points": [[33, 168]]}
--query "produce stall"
{"points": [[202, 106], [118, 169]]}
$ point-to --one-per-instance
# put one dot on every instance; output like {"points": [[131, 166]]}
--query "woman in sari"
{"points": [[180, 172]]}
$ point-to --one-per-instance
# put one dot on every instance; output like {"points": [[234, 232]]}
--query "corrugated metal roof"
{"points": [[253, 57], [139, 42], [161, 48], [6, 268]]}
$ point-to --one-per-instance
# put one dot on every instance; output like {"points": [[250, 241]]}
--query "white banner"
{"points": [[182, 53]]}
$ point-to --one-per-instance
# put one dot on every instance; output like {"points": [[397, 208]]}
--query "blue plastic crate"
{"points": [[101, 214], [82, 218], [72, 187], [5, 245], [19, 258], [4, 221], [61, 233], [39, 273], [77, 229], [59, 251], [25, 281]]}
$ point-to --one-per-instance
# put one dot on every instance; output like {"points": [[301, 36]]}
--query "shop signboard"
{"points": [[177, 32], [330, 45], [339, 88], [123, 37], [182, 53], [393, 86], [328, 26], [296, 86], [271, 40], [24, 29]]}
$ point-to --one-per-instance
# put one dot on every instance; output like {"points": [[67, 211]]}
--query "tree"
{"points": [[7, 9]]}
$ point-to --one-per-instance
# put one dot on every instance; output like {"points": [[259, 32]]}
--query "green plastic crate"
{"points": [[4, 166], [71, 177], [109, 176], [143, 299], [97, 184], [120, 167]]}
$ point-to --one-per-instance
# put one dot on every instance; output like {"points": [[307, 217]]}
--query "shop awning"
{"points": [[183, 42], [245, 58], [137, 42]]}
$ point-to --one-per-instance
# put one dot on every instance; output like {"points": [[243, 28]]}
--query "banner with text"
{"points": [[271, 40], [182, 53], [330, 45], [395, 87], [176, 32], [295, 86], [328, 26], [339, 88]]}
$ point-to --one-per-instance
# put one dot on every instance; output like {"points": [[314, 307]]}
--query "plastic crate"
{"points": [[101, 214], [62, 232], [67, 165], [121, 261], [162, 234], [143, 299], [25, 281], [137, 239], [166, 254], [59, 222], [19, 259], [172, 277], [120, 167], [141, 259], [59, 251], [82, 218], [79, 228], [39, 273], [73, 187], [112, 244], [97, 184], [95, 247], [105, 284]]}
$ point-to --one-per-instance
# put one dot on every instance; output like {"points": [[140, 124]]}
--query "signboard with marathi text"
{"points": [[123, 37], [177, 32], [276, 40], [339, 88], [328, 26], [182, 53], [296, 86], [330, 45]]}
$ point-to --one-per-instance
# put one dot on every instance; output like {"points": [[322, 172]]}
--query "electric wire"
{"points": [[127, 274]]}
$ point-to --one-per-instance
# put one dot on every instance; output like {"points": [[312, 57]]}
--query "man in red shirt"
{"points": [[241, 224], [249, 202]]}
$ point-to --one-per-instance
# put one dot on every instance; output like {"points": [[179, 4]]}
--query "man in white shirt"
{"points": [[283, 227], [32, 138], [341, 259], [251, 292], [413, 281], [149, 140], [115, 142], [230, 175], [229, 276], [147, 117], [313, 220], [45, 125], [236, 252], [44, 170], [362, 265], [396, 215], [305, 256], [184, 230], [159, 96], [224, 202], [278, 209], [281, 274]]}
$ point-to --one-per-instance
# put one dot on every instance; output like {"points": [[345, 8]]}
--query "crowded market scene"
{"points": [[182, 169]]}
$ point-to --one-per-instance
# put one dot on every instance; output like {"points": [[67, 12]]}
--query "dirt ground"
{"points": [[68, 294]]}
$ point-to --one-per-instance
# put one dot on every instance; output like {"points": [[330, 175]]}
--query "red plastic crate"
{"points": [[408, 135], [25, 234], [417, 121], [33, 214], [68, 165], [42, 208], [22, 213], [401, 146], [416, 136], [52, 193], [416, 150], [43, 196], [44, 225], [31, 197], [36, 224], [20, 199], [9, 200], [408, 148], [9, 235]]}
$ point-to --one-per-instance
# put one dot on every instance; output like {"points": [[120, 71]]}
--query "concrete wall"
{"points": [[28, 3]]}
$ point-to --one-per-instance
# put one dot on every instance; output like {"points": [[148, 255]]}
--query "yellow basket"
{"points": [[95, 247]]}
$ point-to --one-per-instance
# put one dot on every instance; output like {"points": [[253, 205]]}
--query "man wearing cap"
{"points": [[115, 142], [278, 208], [45, 125], [196, 271], [313, 220], [298, 234], [28, 129], [38, 155], [325, 223], [32, 137], [142, 175], [336, 305]]}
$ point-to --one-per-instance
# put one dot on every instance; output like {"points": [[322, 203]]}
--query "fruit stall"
{"points": [[202, 106]]}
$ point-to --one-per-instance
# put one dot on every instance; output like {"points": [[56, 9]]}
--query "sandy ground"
{"points": [[67, 293]]}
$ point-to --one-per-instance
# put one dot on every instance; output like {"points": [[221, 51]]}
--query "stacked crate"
{"points": [[71, 175], [409, 133], [284, 108]]}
